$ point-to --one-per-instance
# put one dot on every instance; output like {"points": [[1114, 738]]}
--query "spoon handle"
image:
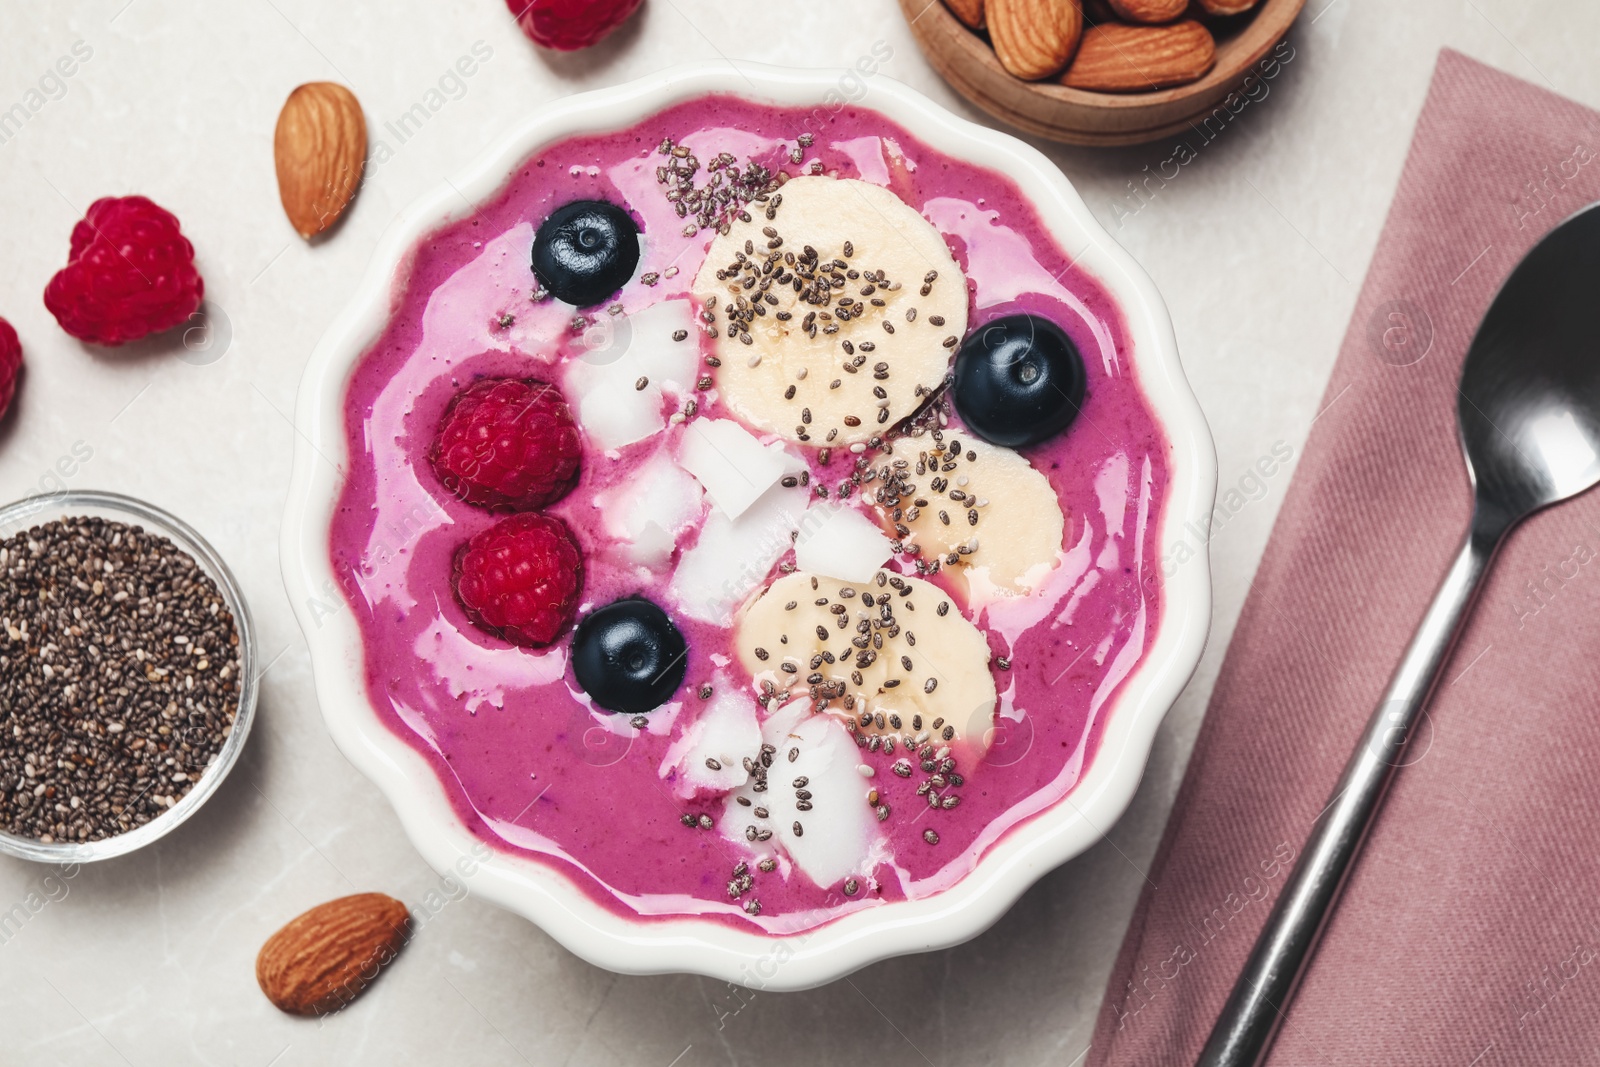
{"points": [[1254, 1011]]}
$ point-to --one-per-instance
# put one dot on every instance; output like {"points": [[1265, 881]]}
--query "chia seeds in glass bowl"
{"points": [[127, 675]]}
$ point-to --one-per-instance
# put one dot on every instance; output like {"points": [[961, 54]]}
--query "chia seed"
{"points": [[119, 678]]}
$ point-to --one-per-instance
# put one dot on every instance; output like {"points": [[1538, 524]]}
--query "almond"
{"points": [[1034, 38], [320, 148], [970, 12], [1149, 10], [1115, 58], [323, 959], [1225, 7]]}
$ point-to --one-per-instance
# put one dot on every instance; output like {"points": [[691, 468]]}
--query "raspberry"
{"points": [[10, 364], [130, 274], [520, 579], [507, 443], [568, 25]]}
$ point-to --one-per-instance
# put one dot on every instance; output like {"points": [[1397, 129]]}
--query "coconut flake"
{"points": [[840, 542], [724, 734], [839, 830], [656, 354], [603, 387], [650, 510], [732, 557], [609, 407], [734, 467]]}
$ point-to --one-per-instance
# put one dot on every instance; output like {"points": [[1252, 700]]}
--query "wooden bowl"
{"points": [[1076, 116]]}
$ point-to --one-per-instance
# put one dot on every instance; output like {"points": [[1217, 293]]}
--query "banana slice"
{"points": [[836, 311], [896, 660], [978, 508]]}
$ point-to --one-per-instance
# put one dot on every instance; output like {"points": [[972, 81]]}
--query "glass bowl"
{"points": [[36, 510]]}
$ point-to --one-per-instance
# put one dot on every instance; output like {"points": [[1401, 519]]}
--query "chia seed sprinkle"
{"points": [[119, 678]]}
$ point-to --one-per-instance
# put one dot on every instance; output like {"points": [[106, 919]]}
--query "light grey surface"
{"points": [[1259, 245]]}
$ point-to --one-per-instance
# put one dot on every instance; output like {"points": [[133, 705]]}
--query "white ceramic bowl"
{"points": [[529, 887]]}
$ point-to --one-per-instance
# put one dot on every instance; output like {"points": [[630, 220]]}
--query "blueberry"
{"points": [[1019, 380], [585, 251], [628, 656]]}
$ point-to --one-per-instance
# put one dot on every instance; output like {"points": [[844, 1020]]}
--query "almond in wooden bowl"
{"points": [[1114, 111], [1148, 11], [970, 12], [1118, 58], [1034, 38]]}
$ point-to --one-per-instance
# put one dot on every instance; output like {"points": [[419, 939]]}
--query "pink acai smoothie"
{"points": [[531, 765]]}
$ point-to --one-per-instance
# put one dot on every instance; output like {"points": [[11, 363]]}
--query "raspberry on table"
{"points": [[520, 579], [568, 25], [507, 443], [130, 273], [10, 364]]}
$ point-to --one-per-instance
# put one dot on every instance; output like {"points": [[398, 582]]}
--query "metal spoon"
{"points": [[1529, 417]]}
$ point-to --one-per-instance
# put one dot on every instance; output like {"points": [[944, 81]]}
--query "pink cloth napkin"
{"points": [[1469, 933]]}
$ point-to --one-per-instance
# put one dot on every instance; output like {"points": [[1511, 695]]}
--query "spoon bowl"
{"points": [[1529, 405]]}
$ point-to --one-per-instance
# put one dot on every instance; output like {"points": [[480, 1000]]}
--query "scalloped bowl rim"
{"points": [[689, 944]]}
